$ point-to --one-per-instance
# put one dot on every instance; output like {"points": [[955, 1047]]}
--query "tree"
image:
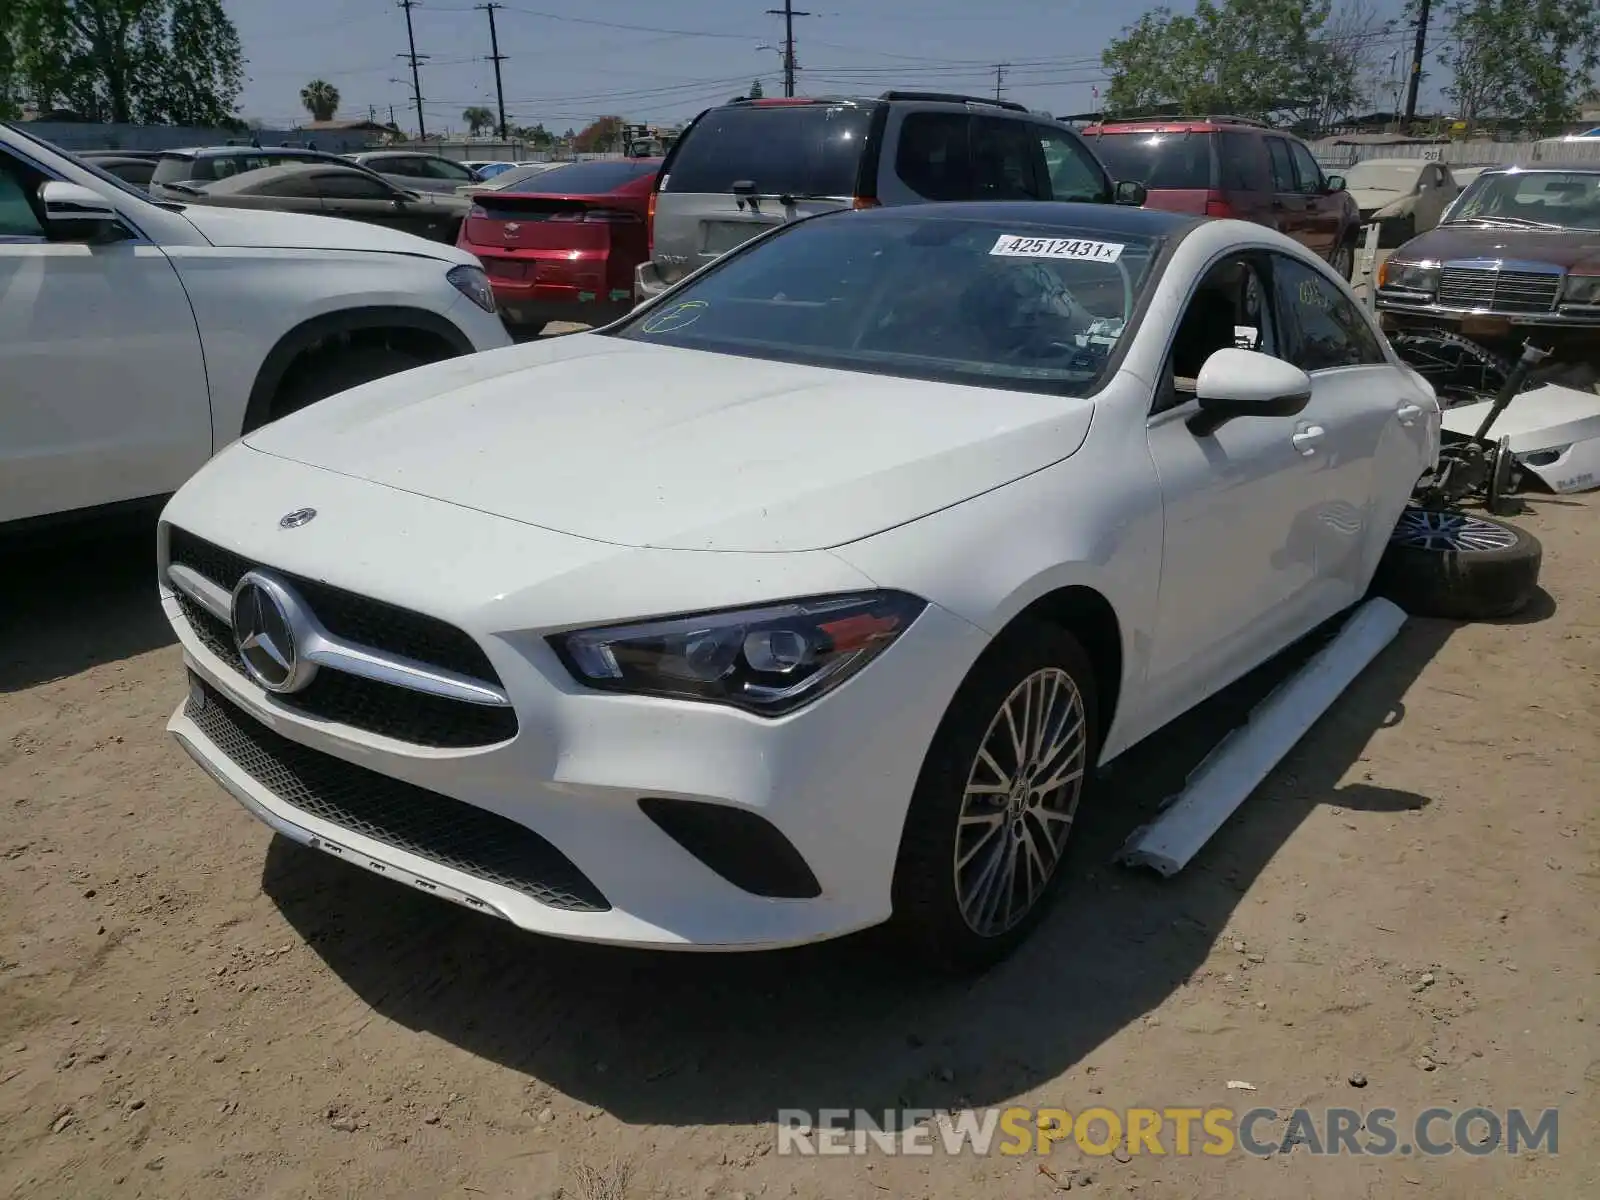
{"points": [[154, 61], [321, 99], [756, 90], [1256, 58], [600, 134], [534, 135], [1531, 62], [478, 119]]}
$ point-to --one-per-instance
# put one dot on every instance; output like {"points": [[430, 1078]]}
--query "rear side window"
{"points": [[1324, 327], [592, 178], [1160, 161], [1240, 163], [1282, 167], [1008, 161], [933, 158], [173, 168], [803, 150]]}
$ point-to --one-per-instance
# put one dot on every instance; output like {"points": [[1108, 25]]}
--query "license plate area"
{"points": [[718, 237]]}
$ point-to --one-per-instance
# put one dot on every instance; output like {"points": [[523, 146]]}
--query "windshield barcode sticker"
{"points": [[1011, 245]]}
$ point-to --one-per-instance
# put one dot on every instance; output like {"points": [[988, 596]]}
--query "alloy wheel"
{"points": [[1020, 798], [1429, 529]]}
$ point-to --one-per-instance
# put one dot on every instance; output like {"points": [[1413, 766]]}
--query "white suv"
{"points": [[138, 337]]}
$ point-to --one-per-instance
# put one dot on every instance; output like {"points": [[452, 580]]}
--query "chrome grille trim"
{"points": [[352, 658], [1499, 290]]}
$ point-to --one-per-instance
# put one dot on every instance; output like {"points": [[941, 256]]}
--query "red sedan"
{"points": [[567, 250]]}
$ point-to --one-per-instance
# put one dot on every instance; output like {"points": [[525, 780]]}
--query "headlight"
{"points": [[1582, 289], [1409, 277], [768, 660], [472, 283]]}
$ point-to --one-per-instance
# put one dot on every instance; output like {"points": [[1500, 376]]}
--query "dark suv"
{"points": [[745, 166], [1234, 167]]}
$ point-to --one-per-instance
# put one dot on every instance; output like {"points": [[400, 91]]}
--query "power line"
{"points": [[416, 76], [496, 58], [788, 12]]}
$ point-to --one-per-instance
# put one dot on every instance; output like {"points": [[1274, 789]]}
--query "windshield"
{"points": [[1539, 199], [1008, 304], [1381, 177], [1173, 161], [105, 176]]}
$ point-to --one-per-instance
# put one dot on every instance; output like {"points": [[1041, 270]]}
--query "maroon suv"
{"points": [[1233, 167]]}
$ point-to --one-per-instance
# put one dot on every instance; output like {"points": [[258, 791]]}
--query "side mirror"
{"points": [[1246, 383], [71, 204], [1335, 183], [1130, 192]]}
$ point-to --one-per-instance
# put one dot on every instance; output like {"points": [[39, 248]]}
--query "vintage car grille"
{"points": [[472, 840], [381, 708], [1500, 291]]}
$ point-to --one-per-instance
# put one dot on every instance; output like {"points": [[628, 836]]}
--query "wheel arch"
{"points": [[417, 326], [1086, 614]]}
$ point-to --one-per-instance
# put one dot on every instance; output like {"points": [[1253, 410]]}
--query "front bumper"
{"points": [[834, 779], [1439, 313]]}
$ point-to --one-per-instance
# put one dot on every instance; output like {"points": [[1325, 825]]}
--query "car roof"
{"points": [[1585, 165], [1116, 219], [223, 151], [1392, 162]]}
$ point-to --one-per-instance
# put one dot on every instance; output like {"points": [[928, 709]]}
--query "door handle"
{"points": [[1305, 441], [1408, 413]]}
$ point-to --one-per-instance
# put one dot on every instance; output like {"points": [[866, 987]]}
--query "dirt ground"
{"points": [[191, 1009]]}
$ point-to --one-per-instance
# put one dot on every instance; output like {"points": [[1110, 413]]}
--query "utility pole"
{"points": [[391, 117], [496, 58], [788, 12], [1416, 65], [416, 77], [999, 77]]}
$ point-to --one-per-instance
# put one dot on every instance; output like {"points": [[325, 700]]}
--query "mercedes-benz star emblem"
{"points": [[269, 630], [297, 518]]}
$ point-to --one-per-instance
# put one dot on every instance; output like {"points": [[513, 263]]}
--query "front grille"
{"points": [[381, 708], [471, 840], [1502, 291]]}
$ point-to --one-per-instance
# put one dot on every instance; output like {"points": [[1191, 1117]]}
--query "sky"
{"points": [[568, 63]]}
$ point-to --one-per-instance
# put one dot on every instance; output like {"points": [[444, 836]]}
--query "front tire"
{"points": [[986, 835], [1461, 566]]}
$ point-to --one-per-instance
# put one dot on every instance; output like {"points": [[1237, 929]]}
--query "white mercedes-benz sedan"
{"points": [[809, 596]]}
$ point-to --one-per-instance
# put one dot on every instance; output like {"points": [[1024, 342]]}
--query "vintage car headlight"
{"points": [[1582, 289], [1408, 277], [768, 660]]}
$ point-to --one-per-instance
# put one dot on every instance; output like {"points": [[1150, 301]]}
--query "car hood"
{"points": [[1561, 248], [666, 448], [256, 228], [1371, 201]]}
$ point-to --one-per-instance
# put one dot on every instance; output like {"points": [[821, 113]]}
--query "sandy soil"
{"points": [[191, 1009]]}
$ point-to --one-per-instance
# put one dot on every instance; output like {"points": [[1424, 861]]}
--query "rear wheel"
{"points": [[986, 834], [1462, 566]]}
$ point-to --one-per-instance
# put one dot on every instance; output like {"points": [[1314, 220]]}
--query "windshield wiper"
{"points": [[1514, 222]]}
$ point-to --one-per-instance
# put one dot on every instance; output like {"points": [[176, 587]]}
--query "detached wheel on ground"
{"points": [[1462, 566], [332, 371], [986, 834]]}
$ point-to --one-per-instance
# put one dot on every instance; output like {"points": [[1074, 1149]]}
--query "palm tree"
{"points": [[478, 119], [321, 99]]}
